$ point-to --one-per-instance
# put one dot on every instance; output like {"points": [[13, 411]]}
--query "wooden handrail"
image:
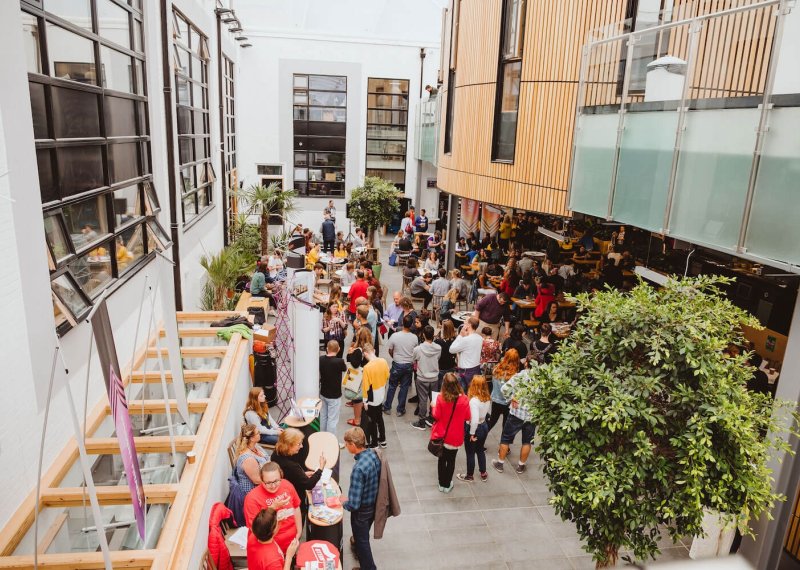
{"points": [[197, 406], [107, 495], [188, 376], [130, 559], [148, 444]]}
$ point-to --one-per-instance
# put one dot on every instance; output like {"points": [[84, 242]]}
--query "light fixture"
{"points": [[246, 45], [553, 235], [650, 275], [241, 38], [236, 29]]}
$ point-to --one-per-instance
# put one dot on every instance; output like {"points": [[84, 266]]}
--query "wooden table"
{"points": [[322, 443]]}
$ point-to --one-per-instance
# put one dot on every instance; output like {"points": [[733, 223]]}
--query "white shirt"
{"points": [[477, 413], [468, 349]]}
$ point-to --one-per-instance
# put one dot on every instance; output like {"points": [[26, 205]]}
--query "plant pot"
{"points": [[717, 540], [376, 270]]}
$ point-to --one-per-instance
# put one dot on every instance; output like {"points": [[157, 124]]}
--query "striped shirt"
{"points": [[520, 411], [364, 481]]}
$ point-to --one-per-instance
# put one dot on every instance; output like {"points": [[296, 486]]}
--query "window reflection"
{"points": [[76, 12], [66, 292], [86, 221], [93, 270], [56, 238], [117, 70], [80, 168], [113, 23], [129, 247], [75, 113], [72, 56], [127, 205], [122, 162]]}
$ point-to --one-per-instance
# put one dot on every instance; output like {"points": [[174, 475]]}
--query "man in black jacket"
{"points": [[328, 234]]}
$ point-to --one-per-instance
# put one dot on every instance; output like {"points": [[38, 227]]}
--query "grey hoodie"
{"points": [[426, 355]]}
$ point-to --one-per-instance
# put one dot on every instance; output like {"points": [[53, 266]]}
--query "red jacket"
{"points": [[357, 289], [216, 540], [441, 413], [547, 293]]}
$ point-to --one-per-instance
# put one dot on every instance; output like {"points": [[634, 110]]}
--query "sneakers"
{"points": [[387, 412], [465, 478], [401, 414], [484, 476], [429, 421], [446, 489], [520, 468], [498, 465], [420, 425], [382, 444]]}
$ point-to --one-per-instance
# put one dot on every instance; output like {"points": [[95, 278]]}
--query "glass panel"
{"points": [[80, 168], [117, 71], [773, 231], [595, 141], [396, 176], [65, 289], [137, 36], [151, 202], [386, 132], [120, 117], [327, 114], [189, 207], [202, 199], [325, 189], [182, 85], [109, 469], [123, 162], [47, 183], [388, 101], [321, 129], [328, 83], [113, 23], [386, 147], [270, 169], [182, 29], [127, 205], [129, 247], [385, 161], [184, 121], [72, 55], [156, 236], [512, 34], [301, 98], [76, 12], [181, 60], [506, 135], [300, 159], [326, 99], [327, 144], [387, 117], [301, 174], [301, 81], [187, 179], [93, 270], [75, 114], [138, 72], [194, 40], [300, 113], [86, 221], [327, 159], [645, 163], [58, 316], [38, 110], [396, 86], [185, 150], [713, 171], [55, 238], [30, 38]]}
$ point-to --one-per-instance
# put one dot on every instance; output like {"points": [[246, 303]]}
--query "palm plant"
{"points": [[266, 201], [222, 270]]}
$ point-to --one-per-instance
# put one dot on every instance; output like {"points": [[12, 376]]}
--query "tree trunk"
{"points": [[264, 233], [612, 554]]}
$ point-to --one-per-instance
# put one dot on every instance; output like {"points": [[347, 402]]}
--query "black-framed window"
{"points": [[230, 180], [190, 61], [509, 81], [320, 134], [449, 113], [387, 129], [640, 15], [92, 145]]}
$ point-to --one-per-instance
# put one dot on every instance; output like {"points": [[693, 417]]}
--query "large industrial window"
{"points": [[231, 179], [449, 114], [508, 81], [320, 134], [89, 106], [387, 129], [191, 55]]}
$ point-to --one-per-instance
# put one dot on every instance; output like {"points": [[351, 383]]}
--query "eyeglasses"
{"points": [[270, 483]]}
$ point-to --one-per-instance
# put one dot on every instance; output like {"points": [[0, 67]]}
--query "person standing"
{"points": [[450, 411], [421, 223], [330, 209], [373, 387], [491, 309], [401, 349], [505, 369], [328, 232], [518, 421], [286, 455], [426, 356], [467, 346], [477, 429], [357, 290], [393, 315], [279, 494], [362, 495], [331, 370]]}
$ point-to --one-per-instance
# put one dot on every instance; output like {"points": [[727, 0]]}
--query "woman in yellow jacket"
{"points": [[505, 232]]}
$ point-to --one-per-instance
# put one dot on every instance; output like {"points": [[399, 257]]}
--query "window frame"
{"points": [[402, 95], [505, 60]]}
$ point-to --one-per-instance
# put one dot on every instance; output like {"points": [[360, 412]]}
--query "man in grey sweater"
{"points": [[426, 356]]}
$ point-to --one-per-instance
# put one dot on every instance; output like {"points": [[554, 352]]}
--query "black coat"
{"points": [[328, 230]]}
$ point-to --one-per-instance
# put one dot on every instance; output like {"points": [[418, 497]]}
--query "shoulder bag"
{"points": [[352, 384], [436, 446]]}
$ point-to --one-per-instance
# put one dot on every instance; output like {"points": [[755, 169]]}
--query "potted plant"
{"points": [[645, 421], [372, 206], [267, 201], [222, 270]]}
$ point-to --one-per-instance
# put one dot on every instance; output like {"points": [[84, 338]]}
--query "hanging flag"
{"points": [[490, 220], [469, 216], [107, 352]]}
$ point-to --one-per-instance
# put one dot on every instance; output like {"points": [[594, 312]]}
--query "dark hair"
{"points": [[360, 274], [487, 331], [546, 329], [442, 272], [265, 524], [427, 332], [503, 296], [550, 306], [318, 265], [408, 321]]}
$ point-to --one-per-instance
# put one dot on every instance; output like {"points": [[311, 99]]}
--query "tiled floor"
{"points": [[505, 522]]}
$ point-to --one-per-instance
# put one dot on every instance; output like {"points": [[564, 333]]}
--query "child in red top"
{"points": [[451, 403], [280, 495], [263, 553]]}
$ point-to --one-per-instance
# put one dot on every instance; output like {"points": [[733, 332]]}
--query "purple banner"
{"points": [[106, 350]]}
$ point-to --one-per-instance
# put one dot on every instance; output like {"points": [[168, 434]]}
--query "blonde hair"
{"points": [[452, 295], [478, 388], [288, 439], [260, 408], [243, 443], [363, 336]]}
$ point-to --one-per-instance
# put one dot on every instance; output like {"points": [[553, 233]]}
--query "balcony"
{"points": [[427, 120], [689, 128]]}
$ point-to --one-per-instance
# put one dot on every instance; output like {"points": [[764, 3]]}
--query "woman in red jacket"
{"points": [[547, 293], [450, 413]]}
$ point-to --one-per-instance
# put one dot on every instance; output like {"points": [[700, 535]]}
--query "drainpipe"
{"points": [[418, 190], [166, 49], [222, 140]]}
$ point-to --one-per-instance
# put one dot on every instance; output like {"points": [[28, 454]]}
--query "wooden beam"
{"points": [[157, 406], [193, 351], [130, 559], [150, 444], [107, 495], [193, 332], [188, 376], [206, 316]]}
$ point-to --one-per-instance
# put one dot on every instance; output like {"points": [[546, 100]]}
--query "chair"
{"points": [[402, 259], [406, 284], [232, 451], [436, 304], [207, 563]]}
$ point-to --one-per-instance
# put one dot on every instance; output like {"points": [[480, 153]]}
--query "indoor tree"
{"points": [[266, 201], [373, 204], [222, 271], [645, 421]]}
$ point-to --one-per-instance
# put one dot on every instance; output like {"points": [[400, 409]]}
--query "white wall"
{"points": [[787, 78]]}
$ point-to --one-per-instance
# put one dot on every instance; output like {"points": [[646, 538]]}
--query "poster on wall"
{"points": [[107, 352], [490, 220], [469, 216]]}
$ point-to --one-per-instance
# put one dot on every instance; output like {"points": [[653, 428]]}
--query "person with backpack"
{"points": [[542, 348]]}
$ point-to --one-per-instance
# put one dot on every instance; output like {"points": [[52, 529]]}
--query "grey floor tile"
{"points": [[449, 539], [507, 534], [448, 504], [519, 547], [511, 517], [503, 501], [572, 546], [431, 491], [545, 564], [443, 521]]}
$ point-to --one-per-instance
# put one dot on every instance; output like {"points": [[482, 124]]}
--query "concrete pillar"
{"points": [[453, 215]]}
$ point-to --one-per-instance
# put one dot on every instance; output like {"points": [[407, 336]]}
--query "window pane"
{"points": [[181, 60], [117, 71], [30, 37], [123, 162], [138, 72], [129, 247], [38, 110], [301, 98], [325, 189], [187, 179], [327, 159], [182, 29], [65, 290], [76, 12], [328, 83], [512, 41], [270, 169], [184, 121], [387, 117], [157, 238], [75, 113], [145, 154], [127, 205], [386, 147], [395, 86], [120, 117], [395, 176], [300, 113], [327, 144], [325, 99], [301, 81], [189, 207], [300, 174], [385, 161], [55, 238], [202, 199], [93, 270], [86, 221], [388, 101], [507, 122], [327, 114], [182, 87], [137, 36], [72, 55], [152, 204], [386, 132], [47, 183], [300, 159], [113, 23], [80, 168], [185, 150]]}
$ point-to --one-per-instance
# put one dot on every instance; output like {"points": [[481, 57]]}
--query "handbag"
{"points": [[436, 446], [393, 259], [352, 384]]}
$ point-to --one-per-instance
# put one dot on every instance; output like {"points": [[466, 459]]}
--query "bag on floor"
{"points": [[393, 259]]}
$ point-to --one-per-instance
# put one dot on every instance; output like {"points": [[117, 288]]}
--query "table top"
{"points": [[585, 261], [312, 519], [346, 289], [296, 422], [334, 260], [237, 552], [524, 303], [534, 253], [462, 315], [322, 443]]}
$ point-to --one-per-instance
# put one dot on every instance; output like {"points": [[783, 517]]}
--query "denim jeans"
{"points": [[474, 448], [400, 375], [360, 523], [465, 376], [329, 414]]}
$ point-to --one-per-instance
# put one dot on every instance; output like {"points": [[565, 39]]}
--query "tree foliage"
{"points": [[266, 201], [373, 204], [222, 270], [644, 421]]}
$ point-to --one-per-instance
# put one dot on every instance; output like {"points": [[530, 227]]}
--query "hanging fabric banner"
{"points": [[469, 216], [107, 352], [490, 220], [171, 332]]}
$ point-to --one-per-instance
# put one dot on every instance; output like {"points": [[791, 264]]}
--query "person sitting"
{"points": [[461, 246], [552, 314], [440, 285], [421, 287], [615, 255], [258, 283], [285, 455], [359, 239], [263, 553], [457, 282], [626, 262], [485, 286], [435, 241], [525, 288], [246, 470], [312, 257], [581, 253], [404, 243], [340, 252], [410, 270], [545, 294], [277, 492], [448, 305], [348, 275], [256, 413], [515, 340], [431, 263]]}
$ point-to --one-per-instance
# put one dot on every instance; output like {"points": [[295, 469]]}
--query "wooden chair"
{"points": [[232, 451], [436, 305], [406, 284], [207, 563], [402, 258]]}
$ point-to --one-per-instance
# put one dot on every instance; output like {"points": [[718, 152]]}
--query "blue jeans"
{"points": [[329, 414], [360, 523], [400, 375], [465, 376], [474, 448], [268, 439]]}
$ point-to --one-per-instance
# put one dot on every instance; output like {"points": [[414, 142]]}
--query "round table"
{"points": [[330, 531], [322, 443]]}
